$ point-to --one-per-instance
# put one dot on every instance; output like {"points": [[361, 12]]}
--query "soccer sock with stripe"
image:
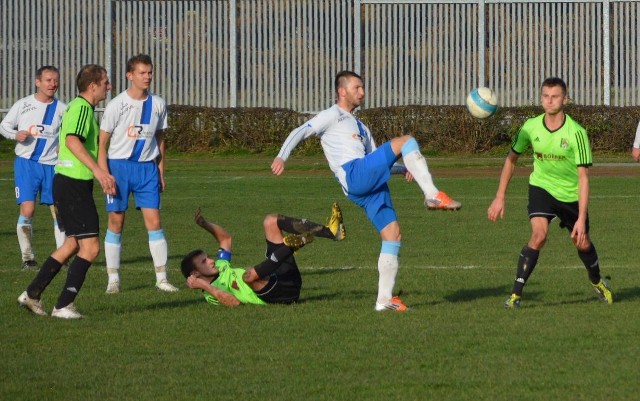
{"points": [[112, 251], [273, 261], [59, 235], [75, 278], [158, 249], [294, 225], [24, 229], [417, 166], [526, 263], [47, 272], [590, 260], [387, 270]]}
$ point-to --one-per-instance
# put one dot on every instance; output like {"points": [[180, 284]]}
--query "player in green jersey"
{"points": [[558, 186], [275, 280], [76, 169]]}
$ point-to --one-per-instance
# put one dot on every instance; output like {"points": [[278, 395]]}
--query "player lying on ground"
{"points": [[275, 280]]}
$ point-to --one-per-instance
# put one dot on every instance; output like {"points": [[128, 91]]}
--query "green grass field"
{"points": [[457, 343]]}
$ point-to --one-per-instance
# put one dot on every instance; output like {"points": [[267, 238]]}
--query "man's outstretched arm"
{"points": [[220, 234], [224, 297]]}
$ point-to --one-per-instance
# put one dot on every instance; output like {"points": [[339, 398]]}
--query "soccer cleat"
{"points": [[335, 223], [164, 285], [297, 241], [603, 291], [442, 201], [68, 312], [395, 304], [113, 288], [34, 305], [30, 265], [512, 302]]}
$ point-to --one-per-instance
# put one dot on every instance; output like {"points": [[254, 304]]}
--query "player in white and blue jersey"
{"points": [[132, 131], [363, 170], [33, 122]]}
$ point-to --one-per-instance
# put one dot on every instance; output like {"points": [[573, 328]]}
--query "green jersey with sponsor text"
{"points": [[230, 280], [556, 155]]}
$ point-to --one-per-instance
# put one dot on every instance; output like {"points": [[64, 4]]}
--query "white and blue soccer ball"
{"points": [[482, 102]]}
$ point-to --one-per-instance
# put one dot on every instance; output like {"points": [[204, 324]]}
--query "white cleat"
{"points": [[113, 288], [68, 312], [34, 305], [165, 286]]}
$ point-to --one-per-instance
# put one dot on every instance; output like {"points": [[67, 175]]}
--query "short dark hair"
{"points": [[89, 74], [554, 81], [44, 68], [342, 77], [187, 266], [139, 59]]}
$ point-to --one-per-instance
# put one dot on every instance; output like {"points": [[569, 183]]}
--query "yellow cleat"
{"points": [[512, 302], [335, 223], [603, 291]]}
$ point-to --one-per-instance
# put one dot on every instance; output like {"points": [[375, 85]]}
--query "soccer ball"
{"points": [[482, 102]]}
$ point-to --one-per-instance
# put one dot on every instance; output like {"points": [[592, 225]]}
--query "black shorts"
{"points": [[75, 207], [284, 284], [543, 204]]}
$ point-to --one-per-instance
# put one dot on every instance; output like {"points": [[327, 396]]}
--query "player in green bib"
{"points": [[277, 279], [73, 196], [558, 186]]}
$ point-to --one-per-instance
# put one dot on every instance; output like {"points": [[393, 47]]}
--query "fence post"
{"points": [[606, 43], [357, 45], [482, 56], [233, 53], [108, 42]]}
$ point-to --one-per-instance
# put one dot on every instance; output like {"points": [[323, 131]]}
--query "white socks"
{"points": [[387, 270], [24, 229], [417, 166], [158, 249], [112, 250]]}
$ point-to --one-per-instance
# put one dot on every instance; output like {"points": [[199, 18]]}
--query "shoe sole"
{"points": [[452, 209], [341, 234], [166, 290], [73, 317]]}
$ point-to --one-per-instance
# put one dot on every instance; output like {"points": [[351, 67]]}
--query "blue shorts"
{"points": [[367, 185], [141, 179], [32, 177]]}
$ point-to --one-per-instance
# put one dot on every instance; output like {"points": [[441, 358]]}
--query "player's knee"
{"points": [[537, 240], [89, 250], [270, 221], [583, 248]]}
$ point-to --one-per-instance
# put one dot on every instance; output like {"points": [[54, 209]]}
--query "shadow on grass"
{"points": [[626, 294], [328, 270], [473, 294], [174, 304]]}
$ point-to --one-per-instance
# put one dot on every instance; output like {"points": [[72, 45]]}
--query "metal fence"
{"points": [[285, 53]]}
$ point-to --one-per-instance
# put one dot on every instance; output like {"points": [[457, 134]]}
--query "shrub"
{"points": [[439, 129]]}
